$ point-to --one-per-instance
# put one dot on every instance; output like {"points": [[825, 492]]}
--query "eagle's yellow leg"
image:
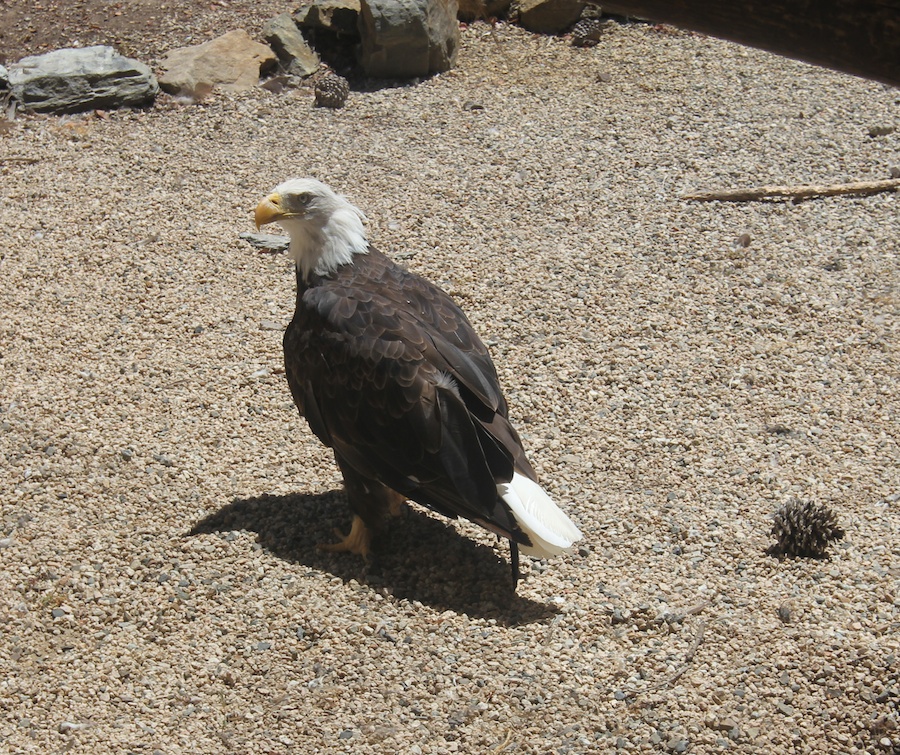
{"points": [[373, 500], [359, 541]]}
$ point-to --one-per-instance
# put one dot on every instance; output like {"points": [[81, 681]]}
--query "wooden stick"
{"points": [[24, 160], [504, 744], [795, 192]]}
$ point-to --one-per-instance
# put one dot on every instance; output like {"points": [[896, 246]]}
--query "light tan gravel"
{"points": [[673, 387]]}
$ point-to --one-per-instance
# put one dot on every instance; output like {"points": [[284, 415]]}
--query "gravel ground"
{"points": [[160, 590]]}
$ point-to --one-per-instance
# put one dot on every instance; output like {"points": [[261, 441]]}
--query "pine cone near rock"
{"points": [[331, 90], [804, 530], [587, 32]]}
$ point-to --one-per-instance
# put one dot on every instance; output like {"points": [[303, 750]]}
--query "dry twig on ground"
{"points": [[795, 192], [692, 651]]}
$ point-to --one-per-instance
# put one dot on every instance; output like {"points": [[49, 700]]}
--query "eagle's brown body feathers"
{"points": [[390, 374]]}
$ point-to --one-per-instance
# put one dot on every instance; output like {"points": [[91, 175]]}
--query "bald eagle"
{"points": [[389, 373]]}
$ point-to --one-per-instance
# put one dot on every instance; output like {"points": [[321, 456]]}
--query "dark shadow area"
{"points": [[339, 52], [417, 557]]}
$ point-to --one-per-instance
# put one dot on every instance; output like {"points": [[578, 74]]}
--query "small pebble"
{"points": [[785, 708], [67, 727]]}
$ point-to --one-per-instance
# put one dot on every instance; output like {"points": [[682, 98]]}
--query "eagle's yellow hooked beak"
{"points": [[269, 210]]}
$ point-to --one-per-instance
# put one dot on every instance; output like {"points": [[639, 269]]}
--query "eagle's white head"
{"points": [[325, 229]]}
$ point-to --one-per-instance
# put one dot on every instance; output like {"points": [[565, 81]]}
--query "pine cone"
{"points": [[804, 530], [587, 32], [331, 90]]}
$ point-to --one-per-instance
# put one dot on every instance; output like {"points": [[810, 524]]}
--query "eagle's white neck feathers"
{"points": [[329, 231]]}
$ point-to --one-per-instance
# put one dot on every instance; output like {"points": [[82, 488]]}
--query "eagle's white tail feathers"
{"points": [[548, 528]]}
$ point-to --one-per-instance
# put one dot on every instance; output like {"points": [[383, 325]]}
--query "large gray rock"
{"points": [[86, 78], [408, 38], [339, 16], [233, 61], [288, 43], [549, 16]]}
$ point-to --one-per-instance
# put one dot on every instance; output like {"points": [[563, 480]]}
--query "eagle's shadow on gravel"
{"points": [[417, 557]]}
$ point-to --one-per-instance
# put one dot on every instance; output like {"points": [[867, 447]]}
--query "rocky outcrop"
{"points": [[397, 39], [233, 61], [75, 79], [408, 38], [297, 57], [338, 16], [549, 16]]}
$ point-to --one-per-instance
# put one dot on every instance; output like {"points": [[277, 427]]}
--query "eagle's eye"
{"points": [[304, 199]]}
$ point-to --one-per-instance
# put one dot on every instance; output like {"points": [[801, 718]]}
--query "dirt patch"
{"points": [[137, 28]]}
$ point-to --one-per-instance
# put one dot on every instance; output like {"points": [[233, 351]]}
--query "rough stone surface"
{"points": [[233, 61], [339, 16], [549, 16], [408, 38], [285, 38], [75, 79], [266, 242]]}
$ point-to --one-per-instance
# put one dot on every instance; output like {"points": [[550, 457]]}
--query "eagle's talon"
{"points": [[358, 541]]}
